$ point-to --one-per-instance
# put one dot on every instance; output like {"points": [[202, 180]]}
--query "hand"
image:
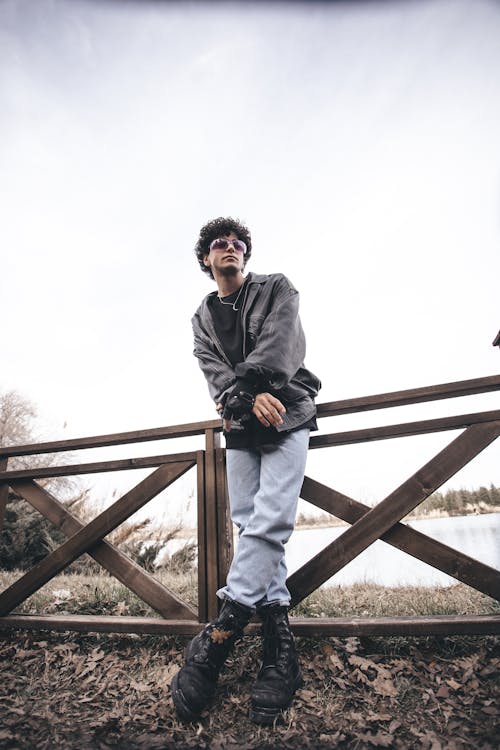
{"points": [[225, 422], [268, 410]]}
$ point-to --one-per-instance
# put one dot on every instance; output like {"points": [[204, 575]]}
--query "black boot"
{"points": [[194, 685], [279, 676]]}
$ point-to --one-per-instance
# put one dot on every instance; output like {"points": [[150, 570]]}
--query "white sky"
{"points": [[358, 140]]}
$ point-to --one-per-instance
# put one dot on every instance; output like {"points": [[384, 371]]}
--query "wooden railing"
{"points": [[215, 529]]}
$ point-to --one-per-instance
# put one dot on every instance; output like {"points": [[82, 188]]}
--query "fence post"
{"points": [[202, 539], [217, 533], [212, 442], [224, 523]]}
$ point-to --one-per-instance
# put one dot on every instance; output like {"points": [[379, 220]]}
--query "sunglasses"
{"points": [[222, 244]]}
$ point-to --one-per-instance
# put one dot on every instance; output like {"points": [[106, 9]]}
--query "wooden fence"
{"points": [[215, 537]]}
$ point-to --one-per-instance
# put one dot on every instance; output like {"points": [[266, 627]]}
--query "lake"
{"points": [[477, 536]]}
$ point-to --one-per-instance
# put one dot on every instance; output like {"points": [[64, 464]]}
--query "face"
{"points": [[228, 262]]}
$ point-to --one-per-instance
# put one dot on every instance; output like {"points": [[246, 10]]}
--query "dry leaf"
{"points": [[360, 661], [378, 717], [336, 661], [491, 710], [380, 739], [359, 676], [352, 644], [141, 687], [443, 692], [384, 686], [219, 636]]}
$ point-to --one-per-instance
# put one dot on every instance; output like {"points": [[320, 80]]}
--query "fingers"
{"points": [[268, 410]]}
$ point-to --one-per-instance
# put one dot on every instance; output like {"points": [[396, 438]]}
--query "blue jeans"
{"points": [[264, 486]]}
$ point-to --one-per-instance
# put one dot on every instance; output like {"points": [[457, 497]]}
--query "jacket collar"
{"points": [[250, 278], [257, 278]]}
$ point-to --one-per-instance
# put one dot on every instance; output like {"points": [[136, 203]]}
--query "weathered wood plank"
{"points": [[383, 516], [90, 535], [146, 462], [212, 441], [144, 585], [115, 438], [333, 408], [410, 396], [406, 429], [202, 540], [307, 627], [462, 567], [435, 625], [224, 523], [101, 624]]}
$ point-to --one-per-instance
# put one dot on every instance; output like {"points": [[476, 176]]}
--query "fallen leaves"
{"points": [[378, 678], [113, 691]]}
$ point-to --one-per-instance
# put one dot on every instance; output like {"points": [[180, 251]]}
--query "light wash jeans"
{"points": [[264, 486]]}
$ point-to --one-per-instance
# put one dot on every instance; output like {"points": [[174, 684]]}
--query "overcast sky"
{"points": [[358, 140]]}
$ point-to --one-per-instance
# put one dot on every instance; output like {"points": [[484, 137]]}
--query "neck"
{"points": [[229, 284]]}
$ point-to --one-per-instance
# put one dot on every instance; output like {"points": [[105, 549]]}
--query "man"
{"points": [[250, 346]]}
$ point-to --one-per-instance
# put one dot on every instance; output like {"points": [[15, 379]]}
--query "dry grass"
{"points": [[103, 594], [372, 600]]}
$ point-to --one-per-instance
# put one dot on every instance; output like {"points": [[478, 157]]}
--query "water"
{"points": [[476, 536]]}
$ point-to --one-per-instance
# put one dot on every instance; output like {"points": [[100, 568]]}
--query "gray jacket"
{"points": [[274, 348]]}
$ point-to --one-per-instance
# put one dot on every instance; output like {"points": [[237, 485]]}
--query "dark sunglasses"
{"points": [[222, 244]]}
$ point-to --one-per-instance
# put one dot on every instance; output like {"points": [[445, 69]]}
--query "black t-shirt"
{"points": [[226, 314]]}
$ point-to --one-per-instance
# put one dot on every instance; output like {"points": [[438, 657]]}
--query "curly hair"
{"points": [[220, 228]]}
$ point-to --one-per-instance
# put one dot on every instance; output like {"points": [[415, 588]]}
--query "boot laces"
{"points": [[208, 642], [279, 642]]}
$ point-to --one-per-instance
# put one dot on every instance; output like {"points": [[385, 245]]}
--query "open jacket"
{"points": [[274, 348]]}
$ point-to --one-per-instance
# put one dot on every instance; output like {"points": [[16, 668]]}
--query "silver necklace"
{"points": [[233, 304]]}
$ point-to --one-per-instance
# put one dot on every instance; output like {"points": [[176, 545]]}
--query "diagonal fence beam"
{"points": [[462, 567], [91, 534], [392, 509], [119, 565]]}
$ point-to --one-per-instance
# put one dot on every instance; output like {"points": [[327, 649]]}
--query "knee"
{"points": [[275, 531]]}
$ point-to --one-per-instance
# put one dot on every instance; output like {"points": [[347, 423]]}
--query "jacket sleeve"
{"points": [[280, 346], [218, 374]]}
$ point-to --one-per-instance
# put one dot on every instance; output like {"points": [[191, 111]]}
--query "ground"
{"points": [[69, 691]]}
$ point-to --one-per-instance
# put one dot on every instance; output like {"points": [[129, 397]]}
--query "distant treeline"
{"points": [[461, 502], [451, 502]]}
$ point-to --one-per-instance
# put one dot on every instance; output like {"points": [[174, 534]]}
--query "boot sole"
{"points": [[184, 712], [266, 716]]}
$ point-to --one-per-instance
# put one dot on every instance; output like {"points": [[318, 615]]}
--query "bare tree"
{"points": [[26, 536], [18, 426], [17, 419]]}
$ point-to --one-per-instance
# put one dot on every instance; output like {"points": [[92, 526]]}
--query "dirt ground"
{"points": [[74, 691]]}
